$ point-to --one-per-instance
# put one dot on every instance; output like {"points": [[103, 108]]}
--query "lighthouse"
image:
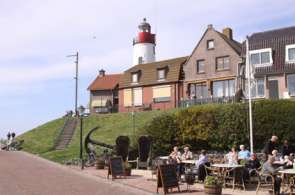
{"points": [[144, 44]]}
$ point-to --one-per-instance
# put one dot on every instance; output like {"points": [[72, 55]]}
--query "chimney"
{"points": [[228, 32], [102, 73], [210, 26]]}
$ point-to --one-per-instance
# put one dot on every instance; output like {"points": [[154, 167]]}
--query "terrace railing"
{"points": [[211, 100]]}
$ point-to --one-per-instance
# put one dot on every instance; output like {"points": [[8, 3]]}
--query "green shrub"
{"points": [[219, 127]]}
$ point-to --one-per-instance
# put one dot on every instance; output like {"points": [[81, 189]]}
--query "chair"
{"points": [[266, 182], [234, 177], [292, 185]]}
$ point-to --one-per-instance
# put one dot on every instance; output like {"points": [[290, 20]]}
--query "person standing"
{"points": [[270, 146], [285, 150], [8, 141]]}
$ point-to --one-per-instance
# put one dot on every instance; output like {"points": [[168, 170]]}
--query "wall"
{"points": [[221, 48], [147, 95]]}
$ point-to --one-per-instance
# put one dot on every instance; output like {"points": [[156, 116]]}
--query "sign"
{"points": [[167, 178], [116, 167]]}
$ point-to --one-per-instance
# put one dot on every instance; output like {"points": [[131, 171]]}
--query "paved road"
{"points": [[25, 174]]}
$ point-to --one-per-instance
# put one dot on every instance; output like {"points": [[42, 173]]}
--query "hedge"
{"points": [[221, 126]]}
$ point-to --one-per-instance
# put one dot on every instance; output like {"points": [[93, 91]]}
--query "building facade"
{"points": [[271, 56], [104, 93], [152, 86], [212, 70]]}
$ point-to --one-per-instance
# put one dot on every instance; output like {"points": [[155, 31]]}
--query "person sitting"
{"points": [[253, 162], [187, 154], [200, 165], [268, 168], [285, 150], [243, 154], [275, 154], [288, 162], [175, 158], [232, 156], [175, 155]]}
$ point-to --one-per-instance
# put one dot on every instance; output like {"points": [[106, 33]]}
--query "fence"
{"points": [[211, 100]]}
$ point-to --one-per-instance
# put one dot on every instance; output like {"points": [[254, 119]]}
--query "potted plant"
{"points": [[212, 186], [127, 168], [100, 163]]}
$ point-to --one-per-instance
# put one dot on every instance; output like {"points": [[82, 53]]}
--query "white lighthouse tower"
{"points": [[144, 45]]}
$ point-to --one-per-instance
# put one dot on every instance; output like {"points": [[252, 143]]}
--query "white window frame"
{"points": [[259, 51], [287, 53], [208, 44], [158, 74], [256, 87]]}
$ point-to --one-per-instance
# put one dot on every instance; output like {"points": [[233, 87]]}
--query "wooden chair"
{"points": [[266, 182], [292, 185]]}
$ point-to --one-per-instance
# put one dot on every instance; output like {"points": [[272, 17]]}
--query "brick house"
{"points": [[212, 70], [272, 61], [151, 86], [104, 93]]}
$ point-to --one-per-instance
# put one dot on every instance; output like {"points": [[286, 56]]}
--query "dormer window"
{"points": [[290, 53], [261, 58], [135, 77], [161, 74], [210, 44]]}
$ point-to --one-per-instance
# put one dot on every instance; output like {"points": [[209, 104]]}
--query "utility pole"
{"points": [[76, 80]]}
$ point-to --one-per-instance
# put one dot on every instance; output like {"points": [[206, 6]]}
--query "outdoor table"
{"points": [[164, 157], [287, 172], [189, 161]]}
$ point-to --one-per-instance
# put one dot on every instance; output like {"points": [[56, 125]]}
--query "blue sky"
{"points": [[36, 77]]}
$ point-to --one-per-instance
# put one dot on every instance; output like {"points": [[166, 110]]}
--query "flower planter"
{"points": [[127, 172], [100, 164], [213, 189]]}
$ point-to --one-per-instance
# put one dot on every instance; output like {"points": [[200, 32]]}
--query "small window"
{"points": [[291, 84], [161, 74], [261, 58], [134, 77], [200, 66], [290, 53], [222, 63], [210, 44], [140, 60]]}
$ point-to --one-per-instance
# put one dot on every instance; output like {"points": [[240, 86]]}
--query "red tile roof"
{"points": [[106, 82]]}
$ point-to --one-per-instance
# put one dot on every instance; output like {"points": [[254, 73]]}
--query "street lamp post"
{"points": [[133, 121], [81, 112], [76, 81]]}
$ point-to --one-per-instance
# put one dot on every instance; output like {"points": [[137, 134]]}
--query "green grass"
{"points": [[41, 139]]}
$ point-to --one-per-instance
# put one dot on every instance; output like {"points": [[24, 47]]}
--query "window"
{"points": [[137, 96], [127, 97], [140, 60], [260, 87], [290, 53], [224, 88], [222, 63], [261, 57], [210, 44], [200, 66], [135, 77], [199, 91], [162, 93], [161, 74], [291, 84]]}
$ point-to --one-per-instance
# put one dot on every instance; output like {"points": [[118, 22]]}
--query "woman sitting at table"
{"points": [[175, 158], [288, 162], [187, 154], [232, 157], [200, 165], [276, 156]]}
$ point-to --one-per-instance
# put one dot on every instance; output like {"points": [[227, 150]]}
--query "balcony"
{"points": [[211, 100]]}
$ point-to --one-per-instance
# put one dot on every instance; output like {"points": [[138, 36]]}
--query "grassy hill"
{"points": [[40, 140]]}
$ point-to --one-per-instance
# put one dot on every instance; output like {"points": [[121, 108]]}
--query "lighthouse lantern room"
{"points": [[144, 44]]}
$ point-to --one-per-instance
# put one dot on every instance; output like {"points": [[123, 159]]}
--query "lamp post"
{"points": [[133, 121], [81, 112], [76, 80]]}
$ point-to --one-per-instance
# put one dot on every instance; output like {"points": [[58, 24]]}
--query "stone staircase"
{"points": [[66, 133]]}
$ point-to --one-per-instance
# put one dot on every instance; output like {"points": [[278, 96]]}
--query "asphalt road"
{"points": [[25, 174]]}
